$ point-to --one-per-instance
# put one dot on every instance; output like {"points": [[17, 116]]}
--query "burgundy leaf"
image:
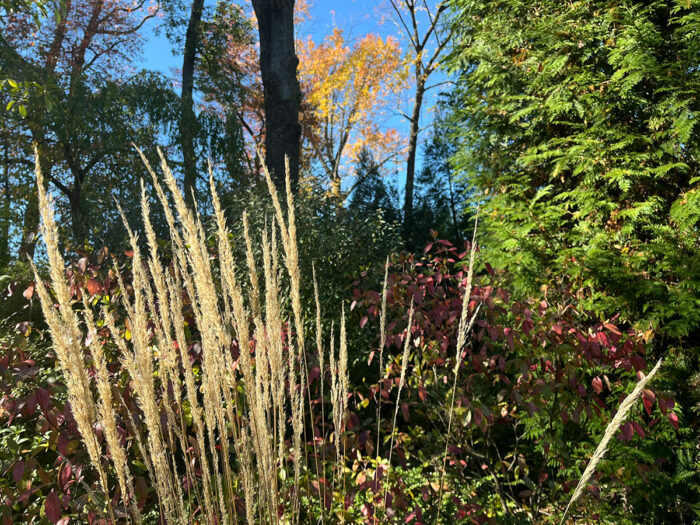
{"points": [[18, 471], [52, 505], [43, 398], [648, 398], [673, 418], [404, 412]]}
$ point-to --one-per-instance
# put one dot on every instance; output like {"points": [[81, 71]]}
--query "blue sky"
{"points": [[355, 17]]}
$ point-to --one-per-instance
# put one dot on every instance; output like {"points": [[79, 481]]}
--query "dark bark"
{"points": [[78, 224], [411, 162], [75, 198], [30, 226], [278, 66], [5, 205], [187, 115], [453, 205]]}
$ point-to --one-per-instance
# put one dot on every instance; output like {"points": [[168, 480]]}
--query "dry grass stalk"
{"points": [[138, 360], [321, 366], [154, 352], [402, 380], [463, 330], [339, 387], [610, 431], [382, 343], [287, 227], [64, 327], [107, 414]]}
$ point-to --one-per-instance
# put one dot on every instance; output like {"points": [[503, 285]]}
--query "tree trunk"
{"points": [[278, 66], [5, 210], [30, 226], [187, 115], [453, 205], [78, 224], [411, 162]]}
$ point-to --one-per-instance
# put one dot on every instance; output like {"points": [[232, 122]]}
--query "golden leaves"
{"points": [[348, 86]]}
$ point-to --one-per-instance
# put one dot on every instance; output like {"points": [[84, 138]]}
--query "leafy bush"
{"points": [[539, 382]]}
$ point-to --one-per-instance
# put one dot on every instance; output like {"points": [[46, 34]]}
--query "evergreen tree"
{"points": [[371, 194], [579, 128], [440, 199]]}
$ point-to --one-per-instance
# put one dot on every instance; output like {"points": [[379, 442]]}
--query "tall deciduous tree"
{"points": [[423, 28], [73, 57], [211, 39], [346, 89], [278, 66], [440, 199], [187, 116]]}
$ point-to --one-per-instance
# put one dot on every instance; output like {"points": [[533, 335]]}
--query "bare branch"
{"points": [[414, 43]]}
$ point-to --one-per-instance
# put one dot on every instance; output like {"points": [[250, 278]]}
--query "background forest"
{"points": [[393, 261]]}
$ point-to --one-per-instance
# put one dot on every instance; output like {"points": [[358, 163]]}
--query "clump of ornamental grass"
{"points": [[247, 414]]}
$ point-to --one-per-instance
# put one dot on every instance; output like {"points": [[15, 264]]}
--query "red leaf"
{"points": [[612, 328], [363, 321], [29, 292], [666, 404], [43, 398], [673, 418], [129, 253], [638, 362], [404, 412], [648, 398], [638, 429], [597, 385], [52, 505], [62, 444], [65, 476], [18, 471], [93, 286], [626, 432]]}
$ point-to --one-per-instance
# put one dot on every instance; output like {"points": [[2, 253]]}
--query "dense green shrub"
{"points": [[577, 124]]}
